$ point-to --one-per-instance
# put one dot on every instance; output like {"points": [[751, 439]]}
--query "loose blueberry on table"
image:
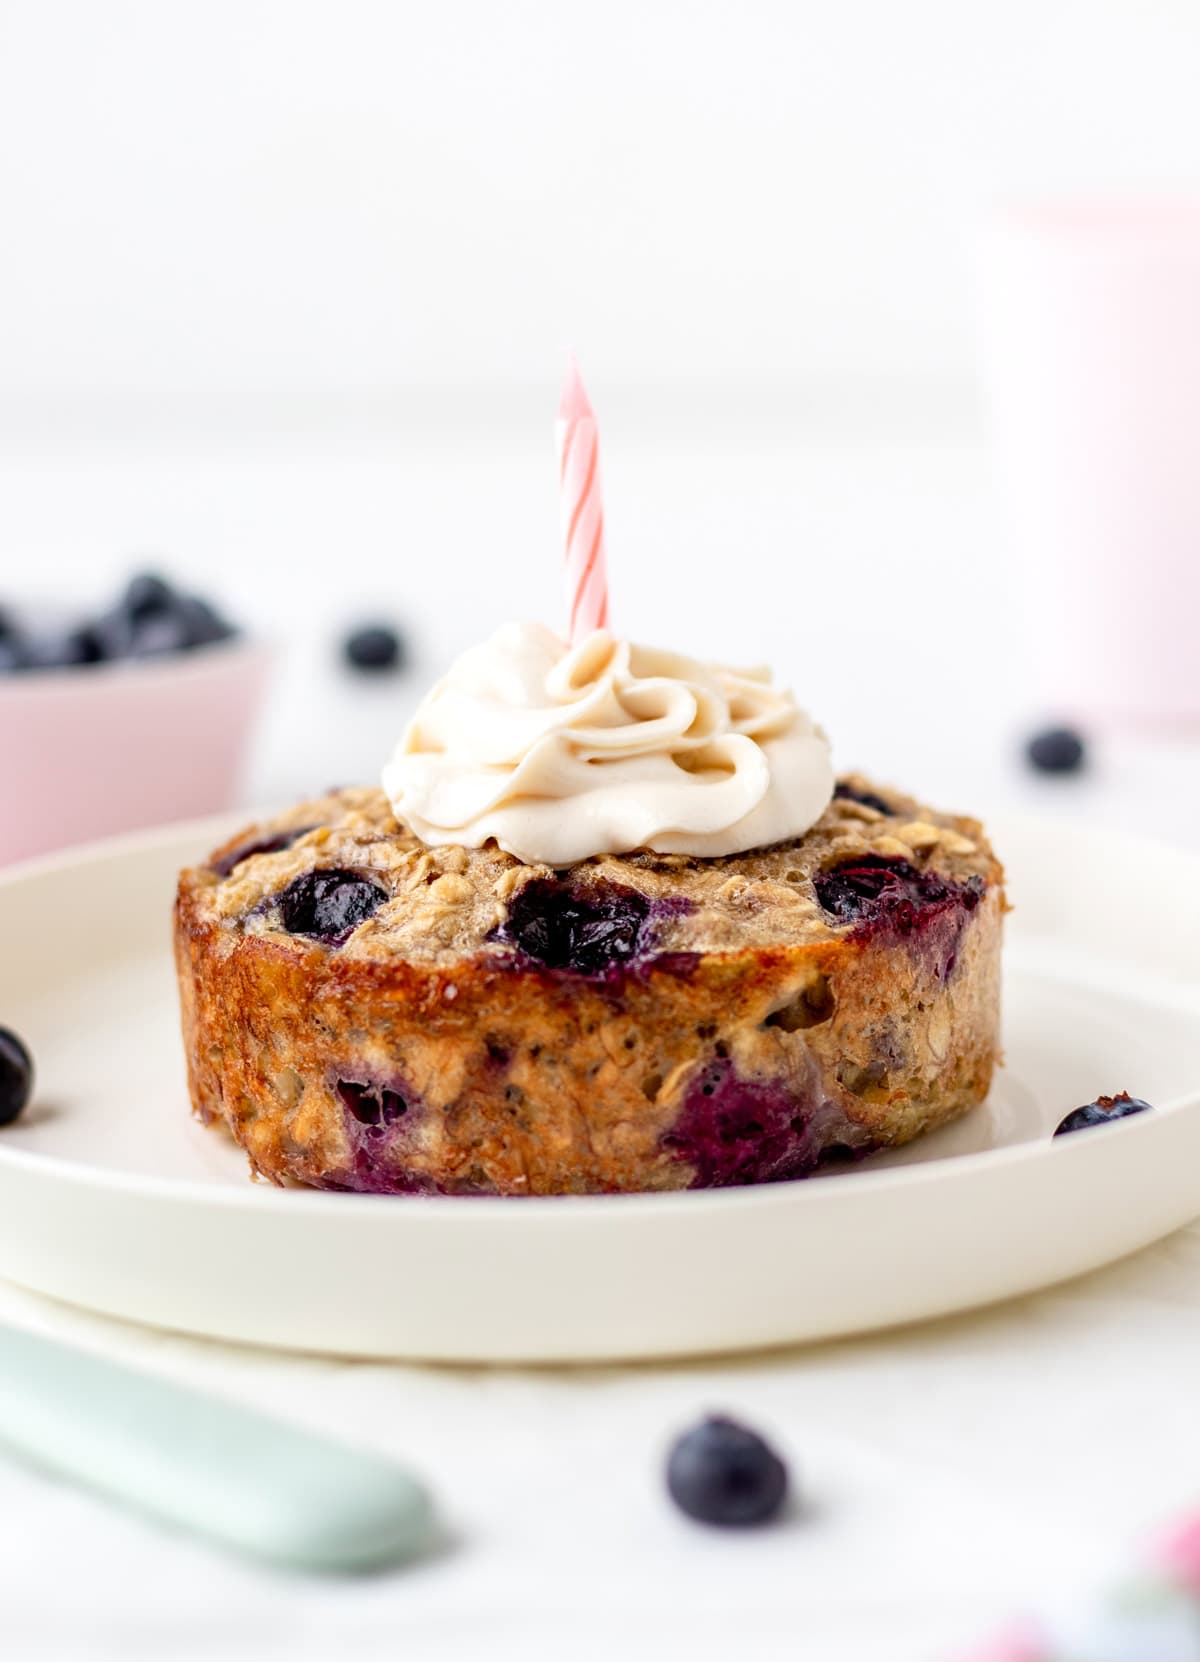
{"points": [[723, 1473], [374, 647], [1102, 1111], [16, 1076], [1056, 750]]}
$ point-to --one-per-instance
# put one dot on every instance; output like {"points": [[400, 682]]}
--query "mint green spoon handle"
{"points": [[250, 1483]]}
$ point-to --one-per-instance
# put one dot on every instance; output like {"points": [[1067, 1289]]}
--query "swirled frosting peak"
{"points": [[560, 753]]}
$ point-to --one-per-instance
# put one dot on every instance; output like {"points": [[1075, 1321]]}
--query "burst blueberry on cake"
{"points": [[610, 925]]}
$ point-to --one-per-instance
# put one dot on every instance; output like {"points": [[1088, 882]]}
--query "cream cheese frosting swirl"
{"points": [[560, 753]]}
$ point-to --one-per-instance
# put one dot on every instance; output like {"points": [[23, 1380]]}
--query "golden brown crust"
{"points": [[424, 1053]]}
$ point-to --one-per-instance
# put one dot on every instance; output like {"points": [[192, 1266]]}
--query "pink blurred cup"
{"points": [[88, 752], [1091, 334]]}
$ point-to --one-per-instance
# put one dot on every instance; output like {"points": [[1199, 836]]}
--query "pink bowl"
{"points": [[89, 752]]}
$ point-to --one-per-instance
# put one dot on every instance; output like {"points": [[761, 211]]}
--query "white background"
{"points": [[285, 201], [286, 291]]}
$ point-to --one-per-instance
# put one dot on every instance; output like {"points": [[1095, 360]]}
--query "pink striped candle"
{"points": [[582, 509]]}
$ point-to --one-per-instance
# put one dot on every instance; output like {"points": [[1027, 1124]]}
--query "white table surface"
{"points": [[950, 1473]]}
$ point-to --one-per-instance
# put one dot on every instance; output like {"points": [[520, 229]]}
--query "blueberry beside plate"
{"points": [[723, 1473], [1057, 750], [16, 1077], [375, 648]]}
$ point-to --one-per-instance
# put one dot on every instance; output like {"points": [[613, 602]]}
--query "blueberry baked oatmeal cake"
{"points": [[610, 925]]}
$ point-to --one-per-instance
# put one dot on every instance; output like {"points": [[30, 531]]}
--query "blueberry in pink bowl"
{"points": [[13, 656], [1105, 1110], [138, 713], [16, 1077], [151, 619]]}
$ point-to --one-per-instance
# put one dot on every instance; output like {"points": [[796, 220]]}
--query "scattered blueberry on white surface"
{"points": [[377, 648], [723, 1473], [1057, 750]]}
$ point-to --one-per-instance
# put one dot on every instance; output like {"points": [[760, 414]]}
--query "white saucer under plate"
{"points": [[112, 1197]]}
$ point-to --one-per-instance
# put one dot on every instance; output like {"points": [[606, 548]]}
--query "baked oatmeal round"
{"points": [[367, 1013]]}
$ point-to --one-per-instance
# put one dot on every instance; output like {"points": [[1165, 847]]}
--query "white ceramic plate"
{"points": [[113, 1198]]}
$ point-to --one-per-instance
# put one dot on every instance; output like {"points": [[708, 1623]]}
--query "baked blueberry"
{"points": [[587, 931], [16, 1076], [868, 799], [880, 889], [1056, 750], [723, 1473], [371, 1104], [1100, 1112], [376, 647], [263, 845], [734, 1130], [329, 905]]}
